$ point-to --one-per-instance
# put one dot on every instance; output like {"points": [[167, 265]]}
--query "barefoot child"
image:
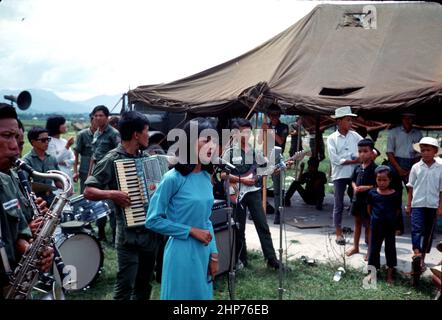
{"points": [[363, 179], [424, 199], [384, 205]]}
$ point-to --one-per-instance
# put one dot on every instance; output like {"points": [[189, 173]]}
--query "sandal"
{"points": [[340, 241]]}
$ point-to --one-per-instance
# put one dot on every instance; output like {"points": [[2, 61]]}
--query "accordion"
{"points": [[139, 177]]}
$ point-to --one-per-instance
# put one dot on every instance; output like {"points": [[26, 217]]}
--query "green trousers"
{"points": [[135, 273], [253, 202]]}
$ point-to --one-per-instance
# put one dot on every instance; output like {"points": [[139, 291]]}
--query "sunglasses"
{"points": [[44, 140]]}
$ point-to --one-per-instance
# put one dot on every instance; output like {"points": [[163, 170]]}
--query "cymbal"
{"points": [[38, 187]]}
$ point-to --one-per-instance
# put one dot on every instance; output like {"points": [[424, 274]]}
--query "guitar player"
{"points": [[280, 133], [245, 159]]}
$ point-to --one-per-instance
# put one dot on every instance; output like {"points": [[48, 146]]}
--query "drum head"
{"points": [[83, 258], [72, 226]]}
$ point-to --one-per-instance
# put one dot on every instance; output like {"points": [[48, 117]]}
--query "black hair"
{"points": [[366, 143], [35, 132], [382, 169], [113, 121], [188, 167], [312, 161], [7, 111], [53, 124], [20, 125], [241, 122], [274, 109], [101, 108], [131, 122], [91, 116]]}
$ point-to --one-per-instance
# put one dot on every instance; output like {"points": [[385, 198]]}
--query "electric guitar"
{"points": [[239, 190]]}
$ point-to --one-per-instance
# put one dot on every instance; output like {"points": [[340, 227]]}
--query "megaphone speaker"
{"points": [[24, 100]]}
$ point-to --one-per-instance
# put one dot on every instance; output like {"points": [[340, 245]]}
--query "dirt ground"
{"points": [[319, 243]]}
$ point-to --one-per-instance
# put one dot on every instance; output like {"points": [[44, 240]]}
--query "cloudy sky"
{"points": [[82, 48]]}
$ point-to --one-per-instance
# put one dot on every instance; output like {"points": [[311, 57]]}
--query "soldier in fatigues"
{"points": [[25, 204], [105, 139], [84, 149], [14, 230], [41, 161], [136, 246]]}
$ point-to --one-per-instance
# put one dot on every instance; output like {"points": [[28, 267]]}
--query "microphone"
{"points": [[225, 163]]}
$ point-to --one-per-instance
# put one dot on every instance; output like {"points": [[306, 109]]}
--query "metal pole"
{"points": [[230, 225], [281, 211], [264, 179]]}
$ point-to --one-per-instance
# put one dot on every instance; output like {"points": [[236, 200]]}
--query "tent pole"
{"points": [[317, 137], [254, 106], [256, 127]]}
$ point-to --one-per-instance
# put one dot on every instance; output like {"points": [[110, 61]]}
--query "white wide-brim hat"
{"points": [[428, 141], [343, 112]]}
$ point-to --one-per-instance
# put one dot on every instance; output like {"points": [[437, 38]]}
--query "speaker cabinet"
{"points": [[224, 251]]}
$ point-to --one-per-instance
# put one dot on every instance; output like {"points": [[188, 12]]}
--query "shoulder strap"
{"points": [[3, 253]]}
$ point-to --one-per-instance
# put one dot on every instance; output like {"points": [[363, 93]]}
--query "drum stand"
{"points": [[231, 224]]}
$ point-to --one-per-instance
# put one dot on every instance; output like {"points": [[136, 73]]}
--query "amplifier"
{"points": [[224, 251], [219, 215]]}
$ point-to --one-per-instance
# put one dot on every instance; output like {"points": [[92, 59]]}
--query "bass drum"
{"points": [[83, 259]]}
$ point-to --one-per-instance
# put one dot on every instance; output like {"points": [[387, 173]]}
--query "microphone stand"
{"points": [[232, 275], [282, 169]]}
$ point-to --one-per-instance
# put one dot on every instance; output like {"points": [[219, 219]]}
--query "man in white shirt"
{"points": [[342, 146], [401, 154]]}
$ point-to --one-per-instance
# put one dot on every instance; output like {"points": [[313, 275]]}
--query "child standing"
{"points": [[424, 199], [384, 205], [363, 180]]}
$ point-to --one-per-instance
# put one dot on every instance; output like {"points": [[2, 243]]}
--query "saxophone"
{"points": [[26, 273]]}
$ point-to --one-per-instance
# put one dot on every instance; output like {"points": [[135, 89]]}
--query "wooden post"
{"points": [[264, 179], [317, 137]]}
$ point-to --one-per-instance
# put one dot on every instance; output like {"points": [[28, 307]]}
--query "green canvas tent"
{"points": [[380, 58]]}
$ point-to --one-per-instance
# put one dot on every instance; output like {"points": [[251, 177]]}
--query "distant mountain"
{"points": [[44, 101], [108, 101]]}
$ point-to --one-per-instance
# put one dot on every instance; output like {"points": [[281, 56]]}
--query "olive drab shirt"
{"points": [[104, 177], [12, 221], [49, 163], [25, 205], [103, 142], [84, 149]]}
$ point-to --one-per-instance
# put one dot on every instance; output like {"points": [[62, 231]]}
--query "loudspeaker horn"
{"points": [[23, 100]]}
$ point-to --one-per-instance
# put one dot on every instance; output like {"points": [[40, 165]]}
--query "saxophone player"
{"points": [[14, 230], [23, 199]]}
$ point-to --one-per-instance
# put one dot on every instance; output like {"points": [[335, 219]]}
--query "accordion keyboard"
{"points": [[139, 177]]}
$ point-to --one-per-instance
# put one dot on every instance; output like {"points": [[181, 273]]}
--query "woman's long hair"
{"points": [[53, 124], [187, 167]]}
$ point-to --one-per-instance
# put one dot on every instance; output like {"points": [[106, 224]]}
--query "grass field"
{"points": [[257, 282]]}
